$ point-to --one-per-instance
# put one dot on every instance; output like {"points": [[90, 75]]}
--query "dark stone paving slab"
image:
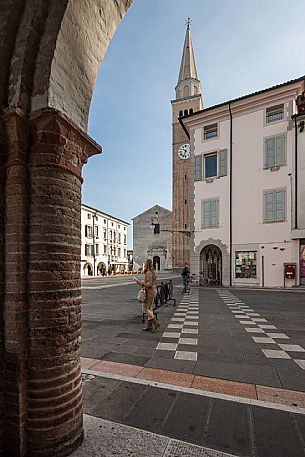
{"points": [[228, 428], [255, 375], [276, 434], [182, 366], [291, 379], [194, 411], [131, 359]]}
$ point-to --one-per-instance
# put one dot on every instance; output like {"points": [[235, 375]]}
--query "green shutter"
{"points": [[214, 213], [86, 230], [269, 206], [223, 153], [198, 168], [209, 213], [279, 150], [270, 152], [279, 199]]}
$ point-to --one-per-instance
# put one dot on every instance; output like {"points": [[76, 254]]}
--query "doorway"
{"points": [[156, 262], [211, 265]]}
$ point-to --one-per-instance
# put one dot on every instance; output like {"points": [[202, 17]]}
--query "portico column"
{"points": [[48, 372]]}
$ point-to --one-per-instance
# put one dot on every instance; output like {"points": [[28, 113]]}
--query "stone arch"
{"points": [[101, 267], [88, 269], [195, 258], [50, 52]]}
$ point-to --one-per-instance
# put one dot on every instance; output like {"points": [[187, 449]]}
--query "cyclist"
{"points": [[185, 275]]}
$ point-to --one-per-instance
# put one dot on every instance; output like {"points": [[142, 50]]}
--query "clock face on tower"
{"points": [[184, 151]]}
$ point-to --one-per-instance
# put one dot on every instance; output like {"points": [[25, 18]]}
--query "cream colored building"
{"points": [[247, 188], [104, 243]]}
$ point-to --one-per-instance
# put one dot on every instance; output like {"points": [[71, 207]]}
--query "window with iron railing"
{"points": [[274, 114]]}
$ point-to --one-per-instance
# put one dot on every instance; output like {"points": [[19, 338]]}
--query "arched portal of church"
{"points": [[156, 262], [211, 265], [50, 55]]}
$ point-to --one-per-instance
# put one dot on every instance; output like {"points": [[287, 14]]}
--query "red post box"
{"points": [[289, 270]]}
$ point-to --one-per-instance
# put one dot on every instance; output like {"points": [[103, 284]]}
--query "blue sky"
{"points": [[240, 46]]}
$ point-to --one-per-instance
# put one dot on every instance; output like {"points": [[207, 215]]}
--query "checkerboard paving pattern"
{"points": [[261, 332], [181, 335]]}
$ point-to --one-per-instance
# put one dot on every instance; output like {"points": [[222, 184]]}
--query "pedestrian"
{"points": [[149, 284], [185, 273]]}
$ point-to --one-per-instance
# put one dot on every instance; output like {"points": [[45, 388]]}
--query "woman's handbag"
{"points": [[142, 295]]}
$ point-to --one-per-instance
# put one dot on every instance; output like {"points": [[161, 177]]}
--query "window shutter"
{"points": [[269, 206], [279, 199], [206, 214], [86, 230], [86, 249], [198, 168], [279, 150], [270, 152], [214, 213], [223, 153]]}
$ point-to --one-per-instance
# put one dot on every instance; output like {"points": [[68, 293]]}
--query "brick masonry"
{"points": [[47, 64]]}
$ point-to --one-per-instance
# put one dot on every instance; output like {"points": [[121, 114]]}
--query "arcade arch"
{"points": [[49, 54]]}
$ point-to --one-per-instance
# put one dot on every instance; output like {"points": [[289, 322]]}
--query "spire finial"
{"points": [[188, 23]]}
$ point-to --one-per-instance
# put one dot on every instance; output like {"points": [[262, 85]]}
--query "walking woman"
{"points": [[149, 284]]}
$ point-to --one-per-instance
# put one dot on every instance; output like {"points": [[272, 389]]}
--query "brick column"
{"points": [[2, 209], [42, 301]]}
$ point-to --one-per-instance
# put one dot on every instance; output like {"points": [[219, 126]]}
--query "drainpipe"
{"points": [[295, 173], [231, 147]]}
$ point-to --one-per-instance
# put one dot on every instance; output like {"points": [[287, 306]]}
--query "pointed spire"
{"points": [[188, 66], [188, 83]]}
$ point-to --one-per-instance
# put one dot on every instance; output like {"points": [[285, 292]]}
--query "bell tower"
{"points": [[188, 100]]}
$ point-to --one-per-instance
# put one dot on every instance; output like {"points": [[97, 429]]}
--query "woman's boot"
{"points": [[155, 324], [149, 326]]}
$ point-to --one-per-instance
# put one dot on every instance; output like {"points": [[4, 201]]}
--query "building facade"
{"points": [[247, 189], [188, 100], [152, 238], [104, 243]]}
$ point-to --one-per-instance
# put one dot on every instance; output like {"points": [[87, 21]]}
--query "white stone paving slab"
{"points": [[178, 319], [262, 339], [179, 314], [171, 335], [191, 317], [193, 331], [242, 316], [292, 347], [167, 346], [259, 319], [276, 354], [281, 336], [185, 355], [254, 330], [175, 325], [249, 322], [193, 341], [253, 314], [301, 363], [266, 326], [190, 323]]}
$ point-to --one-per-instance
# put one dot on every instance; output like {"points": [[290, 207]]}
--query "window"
{"points": [[210, 165], [119, 238], [105, 234], [105, 222], [180, 113], [119, 252], [125, 239], [191, 111], [88, 231], [275, 151], [209, 213], [186, 112], [274, 114], [96, 231], [124, 228], [245, 264], [125, 252], [96, 217], [97, 250], [89, 250], [119, 226], [274, 205], [88, 216], [105, 249], [210, 131]]}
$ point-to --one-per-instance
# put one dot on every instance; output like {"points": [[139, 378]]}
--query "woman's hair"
{"points": [[148, 266]]}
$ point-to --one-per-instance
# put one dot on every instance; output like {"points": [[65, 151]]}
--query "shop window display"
{"points": [[245, 264]]}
